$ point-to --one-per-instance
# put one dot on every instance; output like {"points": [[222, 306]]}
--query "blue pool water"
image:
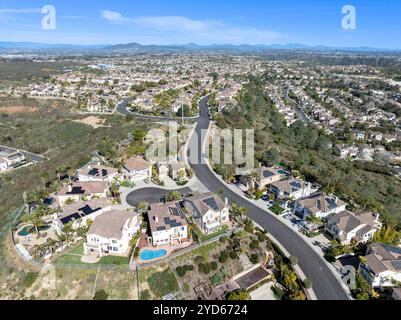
{"points": [[147, 255], [26, 231]]}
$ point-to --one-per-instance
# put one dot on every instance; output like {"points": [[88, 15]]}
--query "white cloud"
{"points": [[113, 16], [189, 30]]}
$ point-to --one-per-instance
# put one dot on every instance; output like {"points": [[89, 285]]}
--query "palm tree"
{"points": [[51, 243], [35, 220]]}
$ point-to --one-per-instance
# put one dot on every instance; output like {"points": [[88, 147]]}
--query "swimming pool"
{"points": [[27, 230], [147, 255]]}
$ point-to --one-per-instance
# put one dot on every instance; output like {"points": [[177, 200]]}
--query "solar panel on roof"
{"points": [[93, 172], [70, 218], [267, 174], [76, 190], [211, 202]]}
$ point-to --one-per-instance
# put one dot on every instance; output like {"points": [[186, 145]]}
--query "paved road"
{"points": [[122, 109], [326, 285], [151, 195]]}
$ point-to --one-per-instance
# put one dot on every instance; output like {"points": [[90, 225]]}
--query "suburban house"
{"points": [[177, 170], [137, 169], [347, 226], [168, 225], [318, 205], [290, 189], [95, 172], [11, 157], [266, 176], [78, 190], [111, 232], [79, 213], [208, 211], [381, 266]]}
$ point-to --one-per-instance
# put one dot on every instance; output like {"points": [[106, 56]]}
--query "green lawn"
{"points": [[277, 209]]}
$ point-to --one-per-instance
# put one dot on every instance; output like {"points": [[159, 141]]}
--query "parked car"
{"points": [[265, 197]]}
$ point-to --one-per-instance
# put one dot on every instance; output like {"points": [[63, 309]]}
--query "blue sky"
{"points": [[310, 22]]}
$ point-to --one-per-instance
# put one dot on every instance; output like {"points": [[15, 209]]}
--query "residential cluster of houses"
{"points": [[381, 265], [306, 201]]}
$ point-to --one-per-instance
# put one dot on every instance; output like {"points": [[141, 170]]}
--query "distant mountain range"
{"points": [[190, 47]]}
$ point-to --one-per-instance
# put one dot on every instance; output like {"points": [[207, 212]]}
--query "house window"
{"points": [[115, 249], [114, 241]]}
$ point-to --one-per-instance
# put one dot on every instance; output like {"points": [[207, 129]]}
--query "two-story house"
{"points": [[208, 211], [94, 172], [137, 169], [168, 225], [81, 190], [347, 226], [290, 189], [79, 213], [381, 266], [266, 176], [111, 232], [318, 205]]}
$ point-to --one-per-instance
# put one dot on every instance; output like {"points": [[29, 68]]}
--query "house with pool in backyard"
{"points": [[171, 224]]}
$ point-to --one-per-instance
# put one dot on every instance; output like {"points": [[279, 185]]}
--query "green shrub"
{"points": [[223, 256], [278, 292], [206, 268], [145, 295], [249, 229], [181, 271], [30, 279], [254, 244], [199, 259], [233, 255], [100, 295], [255, 258], [214, 265]]}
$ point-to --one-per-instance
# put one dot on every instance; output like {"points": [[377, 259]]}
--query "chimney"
{"points": [[226, 201], [70, 188], [156, 219]]}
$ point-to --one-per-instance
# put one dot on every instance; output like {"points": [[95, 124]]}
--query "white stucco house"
{"points": [[111, 233], [347, 226], [208, 211], [93, 172], [79, 213], [137, 169], [78, 190], [318, 205], [381, 266], [168, 225]]}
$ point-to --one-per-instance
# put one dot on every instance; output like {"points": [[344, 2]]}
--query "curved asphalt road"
{"points": [[325, 284], [122, 109]]}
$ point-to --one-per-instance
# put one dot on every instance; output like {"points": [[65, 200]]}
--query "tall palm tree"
{"points": [[35, 220]]}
